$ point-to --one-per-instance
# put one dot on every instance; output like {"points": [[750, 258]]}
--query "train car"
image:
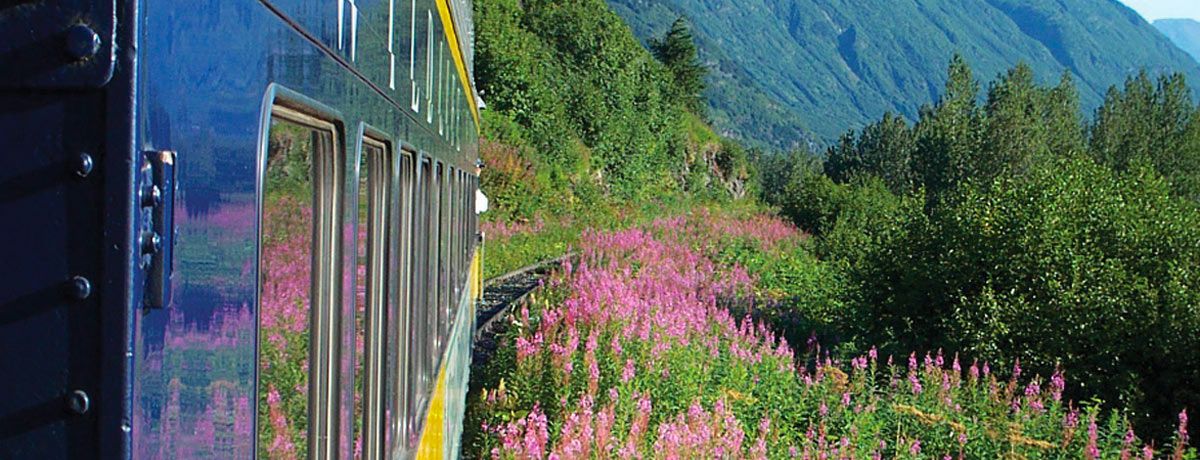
{"points": [[236, 228]]}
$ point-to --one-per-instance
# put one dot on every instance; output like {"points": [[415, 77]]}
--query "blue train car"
{"points": [[236, 229]]}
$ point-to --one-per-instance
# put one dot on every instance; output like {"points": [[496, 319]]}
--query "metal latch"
{"points": [[156, 233]]}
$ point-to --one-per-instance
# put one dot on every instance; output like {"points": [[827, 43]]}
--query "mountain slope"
{"points": [[831, 65], [1185, 33]]}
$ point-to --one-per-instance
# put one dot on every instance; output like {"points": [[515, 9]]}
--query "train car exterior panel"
{"points": [[201, 89]]}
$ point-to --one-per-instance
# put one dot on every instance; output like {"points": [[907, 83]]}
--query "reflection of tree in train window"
{"points": [[286, 283], [360, 293]]}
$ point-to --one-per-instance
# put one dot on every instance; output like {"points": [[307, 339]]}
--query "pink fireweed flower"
{"points": [[915, 383], [629, 372], [1183, 427], [1033, 393], [1092, 451], [1057, 385], [915, 448], [1071, 420]]}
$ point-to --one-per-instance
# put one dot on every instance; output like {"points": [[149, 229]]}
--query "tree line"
{"points": [[1006, 228]]}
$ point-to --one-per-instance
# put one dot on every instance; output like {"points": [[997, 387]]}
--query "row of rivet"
{"points": [[79, 287]]}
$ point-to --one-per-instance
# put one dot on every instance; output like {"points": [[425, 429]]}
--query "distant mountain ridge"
{"points": [[1185, 33], [787, 72]]}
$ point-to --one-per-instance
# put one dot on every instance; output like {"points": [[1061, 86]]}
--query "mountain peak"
{"points": [[833, 65], [1184, 32]]}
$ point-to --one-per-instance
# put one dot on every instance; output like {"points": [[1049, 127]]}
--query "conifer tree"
{"points": [[1014, 133], [884, 149], [1152, 124], [677, 51], [1064, 126], [948, 134]]}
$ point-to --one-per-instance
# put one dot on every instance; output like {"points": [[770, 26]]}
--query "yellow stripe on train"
{"points": [[452, 38], [433, 440]]}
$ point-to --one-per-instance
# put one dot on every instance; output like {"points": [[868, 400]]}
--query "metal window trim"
{"points": [[323, 401], [380, 191]]}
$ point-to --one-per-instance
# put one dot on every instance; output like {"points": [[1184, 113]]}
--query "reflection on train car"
{"points": [[319, 275]]}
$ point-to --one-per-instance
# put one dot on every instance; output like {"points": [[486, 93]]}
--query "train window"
{"points": [[466, 226], [371, 300], [418, 332], [298, 290], [451, 249], [397, 398], [438, 268]]}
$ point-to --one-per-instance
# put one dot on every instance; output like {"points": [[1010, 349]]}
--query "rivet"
{"points": [[85, 165], [151, 243], [82, 42], [79, 287], [78, 402], [152, 197]]}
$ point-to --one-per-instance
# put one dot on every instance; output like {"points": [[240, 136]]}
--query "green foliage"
{"points": [[619, 357], [1153, 123], [1015, 243], [885, 148], [677, 51], [1074, 265], [579, 113], [789, 72], [950, 133]]}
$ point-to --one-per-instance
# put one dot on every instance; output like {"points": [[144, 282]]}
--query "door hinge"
{"points": [[156, 224]]}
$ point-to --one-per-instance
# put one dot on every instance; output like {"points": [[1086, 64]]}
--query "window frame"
{"points": [[325, 289], [379, 285]]}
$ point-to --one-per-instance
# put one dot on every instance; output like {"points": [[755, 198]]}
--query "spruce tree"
{"points": [[948, 134], [1064, 126], [1152, 124], [1014, 133], [677, 51]]}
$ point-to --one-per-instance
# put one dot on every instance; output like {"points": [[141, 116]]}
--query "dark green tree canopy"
{"points": [[677, 51]]}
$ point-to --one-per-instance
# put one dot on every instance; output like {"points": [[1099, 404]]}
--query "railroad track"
{"points": [[500, 294]]}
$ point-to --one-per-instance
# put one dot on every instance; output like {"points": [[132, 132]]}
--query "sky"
{"points": [[1158, 9]]}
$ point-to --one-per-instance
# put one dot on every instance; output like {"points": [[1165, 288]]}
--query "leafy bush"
{"points": [[1078, 267], [1023, 246]]}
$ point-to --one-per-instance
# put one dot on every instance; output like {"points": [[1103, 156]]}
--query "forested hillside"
{"points": [[581, 115], [1185, 33], [782, 68]]}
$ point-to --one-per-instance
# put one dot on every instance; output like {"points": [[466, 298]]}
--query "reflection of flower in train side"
{"points": [[284, 324], [360, 307], [202, 362]]}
